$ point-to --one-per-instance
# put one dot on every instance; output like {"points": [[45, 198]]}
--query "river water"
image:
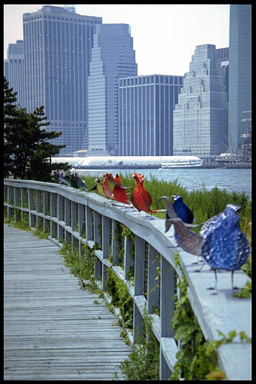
{"points": [[238, 180]]}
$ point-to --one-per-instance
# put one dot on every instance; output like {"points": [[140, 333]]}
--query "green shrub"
{"points": [[143, 362], [120, 298]]}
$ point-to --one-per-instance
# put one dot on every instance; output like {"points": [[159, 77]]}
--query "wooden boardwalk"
{"points": [[53, 330]]}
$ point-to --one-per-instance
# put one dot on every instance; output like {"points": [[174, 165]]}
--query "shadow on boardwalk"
{"points": [[53, 330]]}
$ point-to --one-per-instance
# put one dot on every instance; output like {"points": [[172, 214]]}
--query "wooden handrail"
{"points": [[87, 218]]}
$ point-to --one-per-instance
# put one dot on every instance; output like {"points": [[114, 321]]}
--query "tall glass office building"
{"points": [[240, 73], [113, 57], [14, 70], [57, 53], [201, 114], [146, 105]]}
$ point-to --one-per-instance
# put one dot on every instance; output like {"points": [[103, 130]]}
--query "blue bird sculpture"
{"points": [[62, 179], [81, 184], [73, 181], [55, 176], [172, 214], [224, 245], [182, 210]]}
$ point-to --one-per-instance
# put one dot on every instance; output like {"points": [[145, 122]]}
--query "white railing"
{"points": [[87, 218]]}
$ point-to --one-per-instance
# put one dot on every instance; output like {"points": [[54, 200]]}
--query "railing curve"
{"points": [[87, 218]]}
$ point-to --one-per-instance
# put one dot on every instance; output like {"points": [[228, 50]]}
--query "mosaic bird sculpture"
{"points": [[182, 210], [224, 247], [228, 212]]}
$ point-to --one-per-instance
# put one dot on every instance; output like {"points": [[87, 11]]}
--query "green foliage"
{"points": [[24, 224], [81, 267], [143, 362], [120, 240], [27, 146], [194, 359], [120, 298], [245, 292], [188, 332]]}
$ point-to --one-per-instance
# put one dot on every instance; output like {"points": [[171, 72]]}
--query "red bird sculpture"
{"points": [[105, 185], [140, 197], [119, 190]]}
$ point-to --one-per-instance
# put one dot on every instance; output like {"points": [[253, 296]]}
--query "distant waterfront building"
{"points": [[57, 53], [14, 70], [201, 114], [113, 57], [240, 74], [146, 105]]}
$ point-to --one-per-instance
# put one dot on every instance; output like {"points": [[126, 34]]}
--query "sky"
{"points": [[164, 36]]}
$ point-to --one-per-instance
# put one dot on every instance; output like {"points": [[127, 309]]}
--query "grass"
{"points": [[203, 203]]}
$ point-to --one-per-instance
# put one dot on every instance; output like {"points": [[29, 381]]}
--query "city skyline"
{"points": [[158, 31]]}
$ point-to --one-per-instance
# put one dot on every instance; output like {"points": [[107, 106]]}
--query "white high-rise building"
{"points": [[200, 119]]}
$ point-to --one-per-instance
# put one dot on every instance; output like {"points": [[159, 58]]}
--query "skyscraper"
{"points": [[146, 105], [240, 73], [113, 57], [57, 52], [14, 70], [201, 114]]}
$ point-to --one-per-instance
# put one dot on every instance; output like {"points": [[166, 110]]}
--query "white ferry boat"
{"points": [[135, 162], [182, 162]]}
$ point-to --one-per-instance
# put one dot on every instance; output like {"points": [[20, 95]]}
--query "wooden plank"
{"points": [[53, 330]]}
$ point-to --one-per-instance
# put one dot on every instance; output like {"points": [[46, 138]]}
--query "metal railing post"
{"points": [[138, 283], [154, 278], [52, 214], [31, 208], [105, 247], [167, 290], [128, 260]]}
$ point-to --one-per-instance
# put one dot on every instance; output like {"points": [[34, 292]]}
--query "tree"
{"points": [[27, 146], [10, 115]]}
